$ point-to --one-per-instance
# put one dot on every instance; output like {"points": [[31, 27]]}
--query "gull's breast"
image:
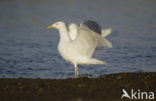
{"points": [[69, 54]]}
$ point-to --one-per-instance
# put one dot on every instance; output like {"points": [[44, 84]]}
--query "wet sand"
{"points": [[103, 88]]}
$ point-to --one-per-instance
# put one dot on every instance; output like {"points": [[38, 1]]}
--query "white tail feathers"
{"points": [[95, 61]]}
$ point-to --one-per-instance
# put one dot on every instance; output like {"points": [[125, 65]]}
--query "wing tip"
{"points": [[106, 32]]}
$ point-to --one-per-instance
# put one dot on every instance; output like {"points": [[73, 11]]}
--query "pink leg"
{"points": [[76, 71]]}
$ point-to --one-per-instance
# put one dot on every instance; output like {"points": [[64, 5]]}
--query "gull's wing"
{"points": [[92, 25], [72, 34], [87, 40], [106, 32], [84, 43], [101, 41], [104, 43], [95, 28]]}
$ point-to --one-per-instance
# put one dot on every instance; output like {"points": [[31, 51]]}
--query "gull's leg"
{"points": [[76, 70]]}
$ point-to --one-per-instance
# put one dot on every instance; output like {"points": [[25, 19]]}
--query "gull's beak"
{"points": [[68, 29], [51, 26]]}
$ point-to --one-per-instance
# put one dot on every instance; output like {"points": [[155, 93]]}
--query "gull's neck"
{"points": [[64, 35]]}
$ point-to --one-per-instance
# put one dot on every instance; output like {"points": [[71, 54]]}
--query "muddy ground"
{"points": [[103, 88]]}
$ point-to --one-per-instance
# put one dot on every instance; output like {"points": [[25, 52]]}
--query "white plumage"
{"points": [[105, 32], [79, 50]]}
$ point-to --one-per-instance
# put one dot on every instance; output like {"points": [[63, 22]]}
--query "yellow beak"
{"points": [[50, 27], [68, 29]]}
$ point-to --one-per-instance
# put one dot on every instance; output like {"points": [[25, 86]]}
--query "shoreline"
{"points": [[105, 87]]}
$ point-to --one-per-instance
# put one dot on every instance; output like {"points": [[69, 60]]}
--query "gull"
{"points": [[80, 50]]}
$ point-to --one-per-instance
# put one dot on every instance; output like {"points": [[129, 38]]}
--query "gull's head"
{"points": [[72, 26], [58, 25]]}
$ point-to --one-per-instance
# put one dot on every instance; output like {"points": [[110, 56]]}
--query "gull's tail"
{"points": [[92, 61]]}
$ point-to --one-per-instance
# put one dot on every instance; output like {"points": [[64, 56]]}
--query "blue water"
{"points": [[28, 49]]}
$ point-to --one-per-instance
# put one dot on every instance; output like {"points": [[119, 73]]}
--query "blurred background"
{"points": [[28, 49]]}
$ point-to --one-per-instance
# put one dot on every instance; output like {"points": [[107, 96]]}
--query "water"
{"points": [[28, 49]]}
